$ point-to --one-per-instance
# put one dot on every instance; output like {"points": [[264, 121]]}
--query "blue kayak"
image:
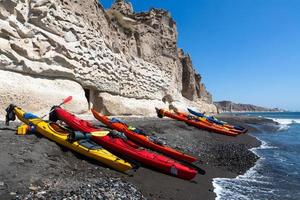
{"points": [[216, 121]]}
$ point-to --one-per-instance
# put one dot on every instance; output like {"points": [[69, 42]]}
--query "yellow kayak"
{"points": [[58, 134]]}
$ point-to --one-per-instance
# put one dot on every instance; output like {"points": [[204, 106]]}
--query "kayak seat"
{"points": [[89, 144], [115, 120], [136, 130], [156, 140], [59, 129], [117, 134], [211, 119], [190, 117]]}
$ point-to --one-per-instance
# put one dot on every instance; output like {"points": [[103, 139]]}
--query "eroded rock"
{"points": [[132, 57], [38, 93]]}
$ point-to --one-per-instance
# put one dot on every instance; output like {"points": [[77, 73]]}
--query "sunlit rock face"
{"points": [[51, 49]]}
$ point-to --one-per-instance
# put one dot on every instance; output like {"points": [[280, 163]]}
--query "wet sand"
{"points": [[34, 167]]}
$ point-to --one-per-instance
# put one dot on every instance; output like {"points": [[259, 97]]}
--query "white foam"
{"points": [[283, 127], [264, 145], [217, 188], [284, 124], [251, 175], [286, 121]]}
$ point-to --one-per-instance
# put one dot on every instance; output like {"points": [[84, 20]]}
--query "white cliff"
{"points": [[118, 61]]}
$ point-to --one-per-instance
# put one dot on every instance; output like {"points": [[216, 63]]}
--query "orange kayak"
{"points": [[215, 121], [207, 122], [142, 139], [195, 122]]}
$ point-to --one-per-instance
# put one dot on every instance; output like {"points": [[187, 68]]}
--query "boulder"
{"points": [[117, 105], [39, 94]]}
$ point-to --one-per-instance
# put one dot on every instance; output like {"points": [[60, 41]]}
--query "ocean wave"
{"points": [[222, 186], [283, 127], [264, 145], [242, 189], [286, 121]]}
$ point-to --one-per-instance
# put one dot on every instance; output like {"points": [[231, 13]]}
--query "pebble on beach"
{"points": [[36, 168]]}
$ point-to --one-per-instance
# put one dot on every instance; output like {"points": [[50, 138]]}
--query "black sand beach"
{"points": [[34, 167]]}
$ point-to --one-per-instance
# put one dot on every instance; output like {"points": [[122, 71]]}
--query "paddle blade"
{"points": [[68, 99]]}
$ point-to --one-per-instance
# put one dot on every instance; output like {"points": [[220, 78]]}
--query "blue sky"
{"points": [[247, 51]]}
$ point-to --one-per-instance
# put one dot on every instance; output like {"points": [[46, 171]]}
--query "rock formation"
{"points": [[228, 106], [118, 61]]}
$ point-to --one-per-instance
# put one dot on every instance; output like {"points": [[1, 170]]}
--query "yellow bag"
{"points": [[23, 129]]}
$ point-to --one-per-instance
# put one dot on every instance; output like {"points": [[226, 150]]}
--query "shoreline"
{"points": [[214, 165], [223, 156], [241, 112], [268, 125], [219, 190]]}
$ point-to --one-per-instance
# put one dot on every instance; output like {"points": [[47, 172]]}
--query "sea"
{"points": [[276, 174]]}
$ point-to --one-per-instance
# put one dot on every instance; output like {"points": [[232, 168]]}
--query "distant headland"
{"points": [[229, 106]]}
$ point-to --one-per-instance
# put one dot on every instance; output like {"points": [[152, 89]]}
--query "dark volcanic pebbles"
{"points": [[235, 157], [103, 188], [32, 167]]}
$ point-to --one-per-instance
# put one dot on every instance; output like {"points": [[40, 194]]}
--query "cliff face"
{"points": [[228, 106], [118, 61]]}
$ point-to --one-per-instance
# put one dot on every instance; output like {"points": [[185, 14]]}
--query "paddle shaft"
{"points": [[65, 101]]}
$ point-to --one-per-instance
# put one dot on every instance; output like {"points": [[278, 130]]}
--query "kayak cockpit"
{"points": [[58, 129]]}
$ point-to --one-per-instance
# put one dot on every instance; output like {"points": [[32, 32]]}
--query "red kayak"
{"points": [[142, 139], [195, 122], [125, 147]]}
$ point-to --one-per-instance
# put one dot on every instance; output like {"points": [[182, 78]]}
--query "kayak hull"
{"points": [[237, 129], [194, 122], [50, 131], [127, 149], [143, 140]]}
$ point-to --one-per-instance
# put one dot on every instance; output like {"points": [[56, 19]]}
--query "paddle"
{"points": [[66, 100]]}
